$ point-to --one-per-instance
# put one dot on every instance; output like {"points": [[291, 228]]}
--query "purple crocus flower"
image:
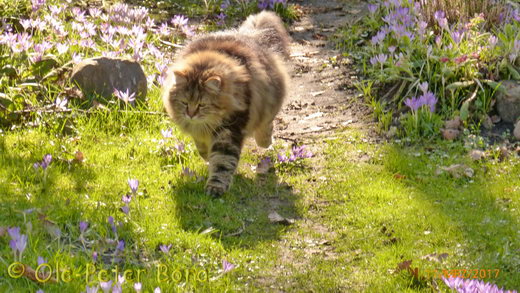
{"points": [[221, 19], [167, 133], [18, 241], [180, 147], [120, 245], [106, 286], [282, 158], [125, 209], [94, 256], [92, 289], [46, 161], [134, 185], [423, 86], [121, 279], [179, 20], [224, 5], [94, 12], [412, 103], [37, 4], [83, 226], [157, 290], [112, 225], [301, 152], [117, 289], [126, 198], [41, 260], [188, 172], [165, 248], [430, 100], [164, 29], [457, 36], [125, 96], [378, 38], [440, 17], [14, 232], [381, 59], [264, 164], [372, 8], [263, 4], [227, 266], [473, 285], [138, 287]]}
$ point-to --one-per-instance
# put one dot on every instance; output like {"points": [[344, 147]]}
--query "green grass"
{"points": [[355, 219]]}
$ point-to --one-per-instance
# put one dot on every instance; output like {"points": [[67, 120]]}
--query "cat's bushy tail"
{"points": [[268, 31]]}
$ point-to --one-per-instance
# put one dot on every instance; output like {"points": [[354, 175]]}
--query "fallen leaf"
{"points": [[3, 231], [78, 157], [399, 176], [405, 265], [30, 274]]}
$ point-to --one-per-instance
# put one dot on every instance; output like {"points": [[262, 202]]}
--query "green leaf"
{"points": [[44, 66], [8, 70], [514, 73], [460, 84], [464, 111]]}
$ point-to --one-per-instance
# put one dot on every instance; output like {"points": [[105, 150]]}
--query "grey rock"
{"points": [[508, 101], [516, 132], [101, 75]]}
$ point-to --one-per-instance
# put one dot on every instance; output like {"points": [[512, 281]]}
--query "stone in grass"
{"points": [[102, 75], [508, 101], [453, 123], [450, 134], [477, 155], [516, 132], [275, 218]]}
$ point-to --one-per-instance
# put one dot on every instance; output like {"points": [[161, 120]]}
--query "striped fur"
{"points": [[226, 86]]}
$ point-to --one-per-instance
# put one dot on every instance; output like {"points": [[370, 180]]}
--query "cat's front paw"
{"points": [[215, 190]]}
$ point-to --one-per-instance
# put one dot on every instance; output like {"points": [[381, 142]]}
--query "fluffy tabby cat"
{"points": [[226, 86]]}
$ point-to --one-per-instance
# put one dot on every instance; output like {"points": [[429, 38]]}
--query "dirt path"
{"points": [[320, 100], [321, 89]]}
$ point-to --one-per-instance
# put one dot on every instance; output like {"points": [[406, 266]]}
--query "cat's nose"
{"points": [[192, 112]]}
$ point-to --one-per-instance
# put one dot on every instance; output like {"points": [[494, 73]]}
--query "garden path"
{"points": [[321, 92]]}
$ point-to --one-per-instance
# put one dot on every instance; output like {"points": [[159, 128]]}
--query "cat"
{"points": [[226, 86]]}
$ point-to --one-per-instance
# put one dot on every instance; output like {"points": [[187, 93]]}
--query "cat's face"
{"points": [[203, 90], [196, 102]]}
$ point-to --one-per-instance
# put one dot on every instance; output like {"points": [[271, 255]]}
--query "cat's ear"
{"points": [[179, 76], [213, 84]]}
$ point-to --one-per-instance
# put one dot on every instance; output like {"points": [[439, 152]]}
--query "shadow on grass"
{"points": [[477, 207], [240, 217]]}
